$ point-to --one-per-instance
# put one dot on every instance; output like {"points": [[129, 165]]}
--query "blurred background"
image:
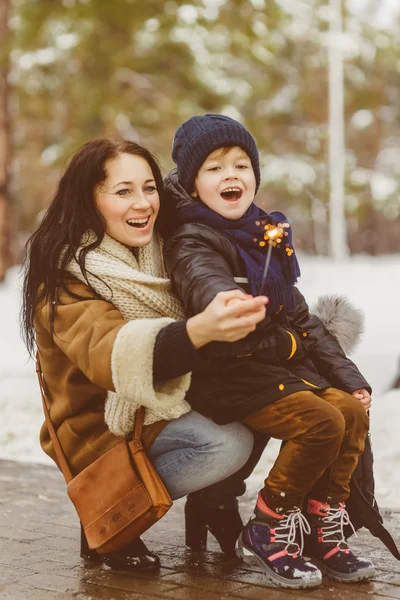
{"points": [[316, 81], [73, 70]]}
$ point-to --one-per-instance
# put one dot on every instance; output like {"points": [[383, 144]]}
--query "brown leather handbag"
{"points": [[117, 497]]}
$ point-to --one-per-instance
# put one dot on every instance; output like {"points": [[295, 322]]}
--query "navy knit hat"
{"points": [[200, 136]]}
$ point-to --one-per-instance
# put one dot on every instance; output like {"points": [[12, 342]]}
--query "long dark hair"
{"points": [[72, 213]]}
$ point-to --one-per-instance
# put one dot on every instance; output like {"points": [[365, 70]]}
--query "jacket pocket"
{"points": [[310, 384]]}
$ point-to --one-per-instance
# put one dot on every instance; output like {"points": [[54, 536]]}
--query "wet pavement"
{"points": [[39, 554]]}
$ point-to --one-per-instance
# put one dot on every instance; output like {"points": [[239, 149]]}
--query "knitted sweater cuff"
{"points": [[174, 353], [132, 372]]}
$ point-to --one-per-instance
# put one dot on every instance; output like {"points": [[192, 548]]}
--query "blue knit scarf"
{"points": [[246, 234]]}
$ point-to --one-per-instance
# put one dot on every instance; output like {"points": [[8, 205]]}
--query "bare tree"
{"points": [[5, 143]]}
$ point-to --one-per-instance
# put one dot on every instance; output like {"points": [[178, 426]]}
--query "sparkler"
{"points": [[273, 236]]}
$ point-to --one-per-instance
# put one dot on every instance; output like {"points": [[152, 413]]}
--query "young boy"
{"points": [[289, 378]]}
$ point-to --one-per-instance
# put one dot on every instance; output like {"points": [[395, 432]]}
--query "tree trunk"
{"points": [[337, 223], [5, 145]]}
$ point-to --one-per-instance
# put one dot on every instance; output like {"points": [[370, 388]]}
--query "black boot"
{"points": [[134, 557], [224, 523], [215, 508]]}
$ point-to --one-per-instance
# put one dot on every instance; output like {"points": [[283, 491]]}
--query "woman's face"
{"points": [[128, 200]]}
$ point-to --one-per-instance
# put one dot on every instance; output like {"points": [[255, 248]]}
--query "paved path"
{"points": [[39, 555]]}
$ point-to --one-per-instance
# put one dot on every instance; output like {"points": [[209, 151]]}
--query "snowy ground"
{"points": [[370, 283]]}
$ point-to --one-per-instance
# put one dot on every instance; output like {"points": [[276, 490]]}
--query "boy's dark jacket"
{"points": [[287, 353]]}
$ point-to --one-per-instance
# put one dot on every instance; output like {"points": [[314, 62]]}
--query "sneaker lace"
{"points": [[285, 532], [334, 524]]}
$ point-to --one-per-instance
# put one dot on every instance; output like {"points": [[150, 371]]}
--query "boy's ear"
{"points": [[194, 194]]}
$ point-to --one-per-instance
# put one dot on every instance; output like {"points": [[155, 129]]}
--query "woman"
{"points": [[103, 354]]}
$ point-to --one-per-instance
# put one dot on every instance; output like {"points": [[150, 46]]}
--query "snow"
{"points": [[371, 283], [20, 402], [362, 119]]}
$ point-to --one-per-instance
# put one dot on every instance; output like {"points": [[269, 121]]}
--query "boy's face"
{"points": [[226, 182]]}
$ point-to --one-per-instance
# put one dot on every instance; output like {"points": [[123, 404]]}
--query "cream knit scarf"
{"points": [[139, 289]]}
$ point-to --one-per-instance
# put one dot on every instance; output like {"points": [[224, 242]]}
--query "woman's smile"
{"points": [[139, 222]]}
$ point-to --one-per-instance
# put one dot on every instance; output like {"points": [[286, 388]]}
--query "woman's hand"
{"points": [[364, 397], [229, 317]]}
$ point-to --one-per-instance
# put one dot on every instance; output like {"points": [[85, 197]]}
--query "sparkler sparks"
{"points": [[273, 236]]}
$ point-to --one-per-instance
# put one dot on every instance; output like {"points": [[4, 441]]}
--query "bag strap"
{"points": [[61, 458], [62, 461], [139, 418]]}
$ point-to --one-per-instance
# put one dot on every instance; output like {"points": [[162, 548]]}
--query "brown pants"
{"points": [[325, 434]]}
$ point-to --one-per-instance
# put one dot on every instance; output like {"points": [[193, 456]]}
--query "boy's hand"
{"points": [[364, 397]]}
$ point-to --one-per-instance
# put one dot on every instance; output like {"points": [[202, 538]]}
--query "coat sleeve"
{"points": [[198, 271], [85, 331], [324, 349]]}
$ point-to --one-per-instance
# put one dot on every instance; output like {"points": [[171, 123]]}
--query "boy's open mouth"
{"points": [[138, 223], [231, 194]]}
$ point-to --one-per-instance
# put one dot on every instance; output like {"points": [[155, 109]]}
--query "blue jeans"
{"points": [[192, 452]]}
